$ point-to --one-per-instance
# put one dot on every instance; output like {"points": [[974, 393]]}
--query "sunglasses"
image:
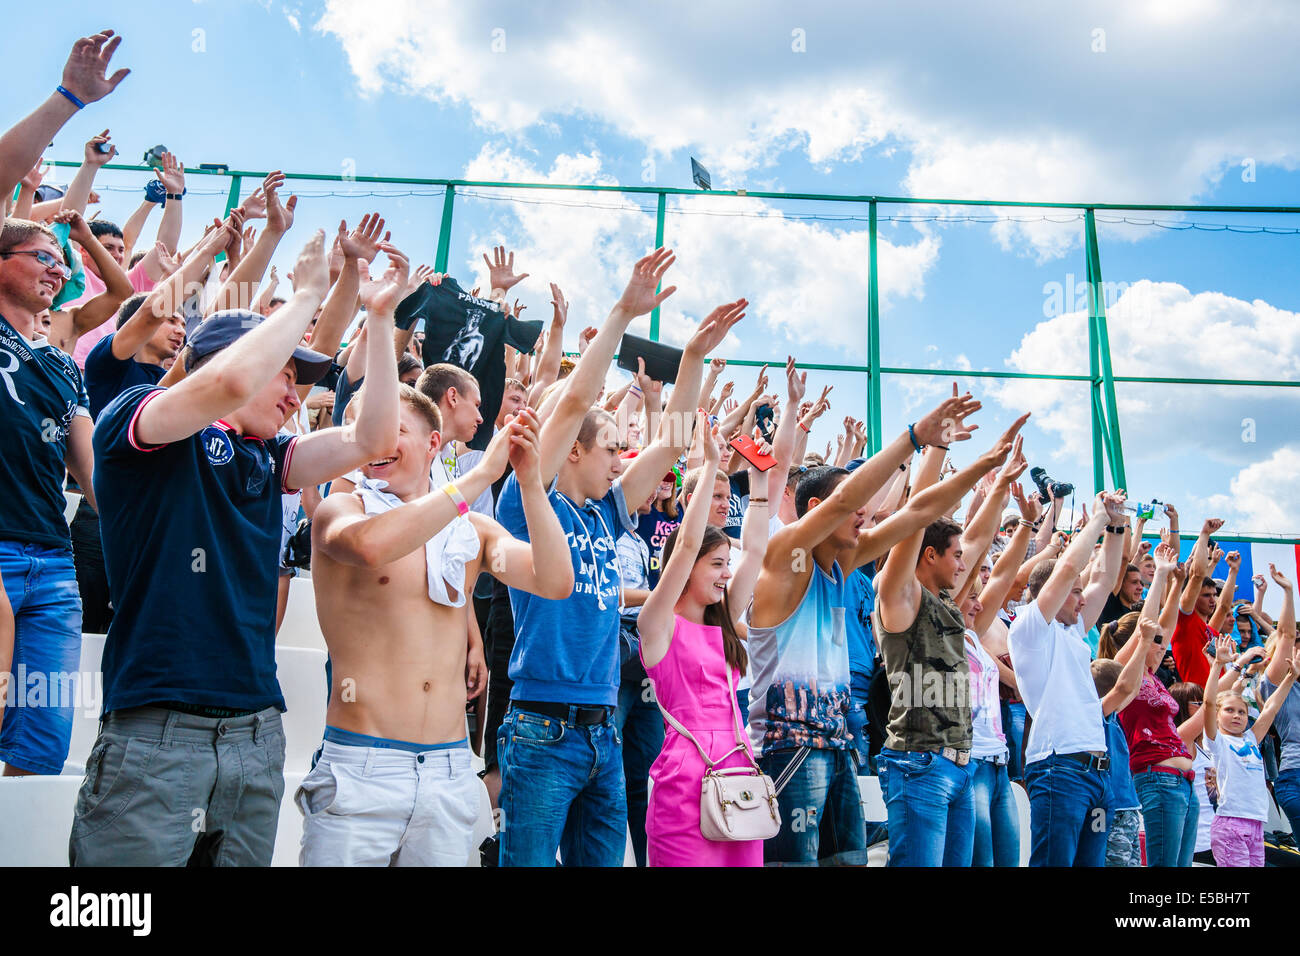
{"points": [[45, 259]]}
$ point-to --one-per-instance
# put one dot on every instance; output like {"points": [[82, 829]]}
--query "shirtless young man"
{"points": [[390, 562]]}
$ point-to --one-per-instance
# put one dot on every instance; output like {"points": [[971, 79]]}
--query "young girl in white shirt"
{"points": [[1237, 834]]}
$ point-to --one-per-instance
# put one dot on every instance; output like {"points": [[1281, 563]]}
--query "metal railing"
{"points": [[1107, 443]]}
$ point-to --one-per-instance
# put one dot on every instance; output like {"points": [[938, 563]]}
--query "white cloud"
{"points": [[801, 277], [1264, 496], [1005, 101]]}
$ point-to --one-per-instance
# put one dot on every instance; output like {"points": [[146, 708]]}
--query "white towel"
{"points": [[446, 553]]}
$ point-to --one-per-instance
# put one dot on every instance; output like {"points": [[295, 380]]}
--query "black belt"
{"points": [[579, 714], [1090, 760], [198, 710]]}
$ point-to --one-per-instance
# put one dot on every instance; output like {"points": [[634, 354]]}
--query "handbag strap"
{"points": [[735, 717]]}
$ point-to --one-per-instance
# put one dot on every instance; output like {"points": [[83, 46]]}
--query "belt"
{"points": [[960, 757], [1000, 760], [1188, 775], [1093, 761], [579, 714], [198, 710]]}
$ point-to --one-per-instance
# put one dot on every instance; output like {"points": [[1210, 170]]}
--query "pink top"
{"points": [[1149, 726], [140, 282]]}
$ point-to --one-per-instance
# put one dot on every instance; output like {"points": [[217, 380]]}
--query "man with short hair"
{"points": [[1199, 619], [927, 776], [1066, 761], [561, 765], [392, 564], [799, 657], [1126, 597], [188, 765]]}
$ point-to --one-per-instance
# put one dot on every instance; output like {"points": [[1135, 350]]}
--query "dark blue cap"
{"points": [[223, 328], [855, 464]]}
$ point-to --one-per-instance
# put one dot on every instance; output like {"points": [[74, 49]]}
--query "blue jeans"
{"points": [[1067, 812], [1287, 791], [997, 823], [931, 806], [41, 584], [857, 724], [1169, 812], [1013, 725], [821, 810], [561, 789], [642, 728]]}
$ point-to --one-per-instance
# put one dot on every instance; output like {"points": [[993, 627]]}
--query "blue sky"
{"points": [[930, 99]]}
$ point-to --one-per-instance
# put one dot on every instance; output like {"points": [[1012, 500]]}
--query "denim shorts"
{"points": [[821, 810], [41, 584]]}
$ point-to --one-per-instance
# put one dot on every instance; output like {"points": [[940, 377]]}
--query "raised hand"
{"points": [[1166, 558], [1234, 560], [717, 365], [1211, 525], [585, 337], [1017, 463], [946, 423], [1225, 649], [712, 454], [311, 272], [501, 270], [93, 156], [254, 204], [84, 74], [279, 216], [1279, 578], [1113, 501], [796, 383], [172, 175], [36, 175], [383, 295], [365, 240], [729, 406], [727, 389], [1029, 505], [166, 261], [78, 229], [1147, 629], [525, 446], [559, 306], [1171, 512], [639, 298], [1216, 555], [715, 327]]}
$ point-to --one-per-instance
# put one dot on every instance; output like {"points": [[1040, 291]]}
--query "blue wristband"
{"points": [[71, 97], [911, 433]]}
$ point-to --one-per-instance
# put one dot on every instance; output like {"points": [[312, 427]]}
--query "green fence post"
{"points": [[232, 200], [1097, 298], [659, 241], [1094, 380], [444, 231], [873, 336]]}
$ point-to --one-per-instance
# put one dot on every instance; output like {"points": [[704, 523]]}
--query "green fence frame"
{"points": [[1107, 445]]}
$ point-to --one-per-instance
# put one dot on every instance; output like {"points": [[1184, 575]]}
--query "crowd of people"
{"points": [[662, 614]]}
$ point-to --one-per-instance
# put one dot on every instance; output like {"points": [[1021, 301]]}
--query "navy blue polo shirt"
{"points": [[108, 376], [41, 392], [191, 535]]}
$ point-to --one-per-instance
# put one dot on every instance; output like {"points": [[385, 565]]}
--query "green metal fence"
{"points": [[1107, 444]]}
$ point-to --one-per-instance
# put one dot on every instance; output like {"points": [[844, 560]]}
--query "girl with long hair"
{"points": [[692, 647]]}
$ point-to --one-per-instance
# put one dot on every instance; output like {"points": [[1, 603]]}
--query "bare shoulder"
{"points": [[335, 506]]}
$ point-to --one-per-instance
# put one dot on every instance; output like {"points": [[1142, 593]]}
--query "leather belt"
{"points": [[1188, 775], [581, 715], [1093, 761]]}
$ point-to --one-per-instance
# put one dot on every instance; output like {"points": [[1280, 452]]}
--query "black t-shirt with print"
{"points": [[471, 333]]}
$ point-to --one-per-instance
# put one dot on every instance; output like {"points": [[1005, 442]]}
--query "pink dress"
{"points": [[691, 684]]}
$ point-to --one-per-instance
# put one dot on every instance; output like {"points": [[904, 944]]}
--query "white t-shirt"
{"points": [[459, 466], [1053, 670], [987, 739], [1242, 791], [1202, 764]]}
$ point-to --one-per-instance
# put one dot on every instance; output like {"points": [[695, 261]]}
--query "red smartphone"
{"points": [[747, 448]]}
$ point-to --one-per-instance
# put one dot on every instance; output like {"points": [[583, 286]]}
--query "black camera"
{"points": [[1059, 489]]}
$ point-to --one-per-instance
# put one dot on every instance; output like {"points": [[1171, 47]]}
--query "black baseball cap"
{"points": [[223, 328]]}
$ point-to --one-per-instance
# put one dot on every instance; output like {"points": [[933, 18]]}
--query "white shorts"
{"points": [[371, 806]]}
